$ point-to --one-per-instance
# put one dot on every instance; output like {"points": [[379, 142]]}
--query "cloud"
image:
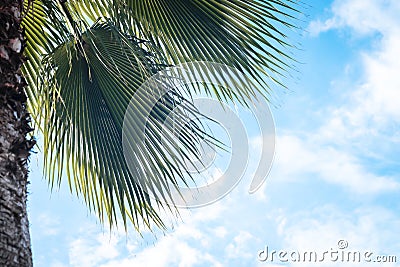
{"points": [[363, 17], [364, 229], [239, 248], [91, 252], [375, 99], [311, 158], [186, 246], [220, 232], [48, 224], [169, 251], [378, 95], [362, 129]]}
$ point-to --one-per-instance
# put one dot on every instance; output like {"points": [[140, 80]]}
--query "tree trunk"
{"points": [[15, 247]]}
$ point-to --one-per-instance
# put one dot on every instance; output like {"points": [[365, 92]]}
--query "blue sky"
{"points": [[336, 174]]}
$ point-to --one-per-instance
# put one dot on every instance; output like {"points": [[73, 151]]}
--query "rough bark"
{"points": [[15, 247]]}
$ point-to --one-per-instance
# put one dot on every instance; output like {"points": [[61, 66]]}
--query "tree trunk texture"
{"points": [[15, 247]]}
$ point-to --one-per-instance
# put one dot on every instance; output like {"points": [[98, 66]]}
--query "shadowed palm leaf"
{"points": [[247, 35], [87, 60]]}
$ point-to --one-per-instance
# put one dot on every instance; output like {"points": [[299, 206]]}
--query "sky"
{"points": [[334, 184]]}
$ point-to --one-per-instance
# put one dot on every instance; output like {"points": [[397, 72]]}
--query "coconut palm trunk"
{"points": [[15, 247]]}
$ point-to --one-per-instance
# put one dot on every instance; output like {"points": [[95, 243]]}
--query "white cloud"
{"points": [[220, 232], [168, 251], [378, 97], [363, 17], [186, 246], [308, 158], [372, 107], [365, 123], [364, 229], [85, 252], [374, 102], [239, 247], [48, 224]]}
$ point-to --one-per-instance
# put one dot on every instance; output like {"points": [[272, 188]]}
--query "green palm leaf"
{"points": [[88, 58], [86, 94], [247, 35], [45, 29]]}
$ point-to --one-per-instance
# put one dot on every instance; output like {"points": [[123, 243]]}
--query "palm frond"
{"points": [[45, 29], [247, 35], [86, 95], [87, 59]]}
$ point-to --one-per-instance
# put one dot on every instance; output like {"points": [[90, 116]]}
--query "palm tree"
{"points": [[83, 61]]}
